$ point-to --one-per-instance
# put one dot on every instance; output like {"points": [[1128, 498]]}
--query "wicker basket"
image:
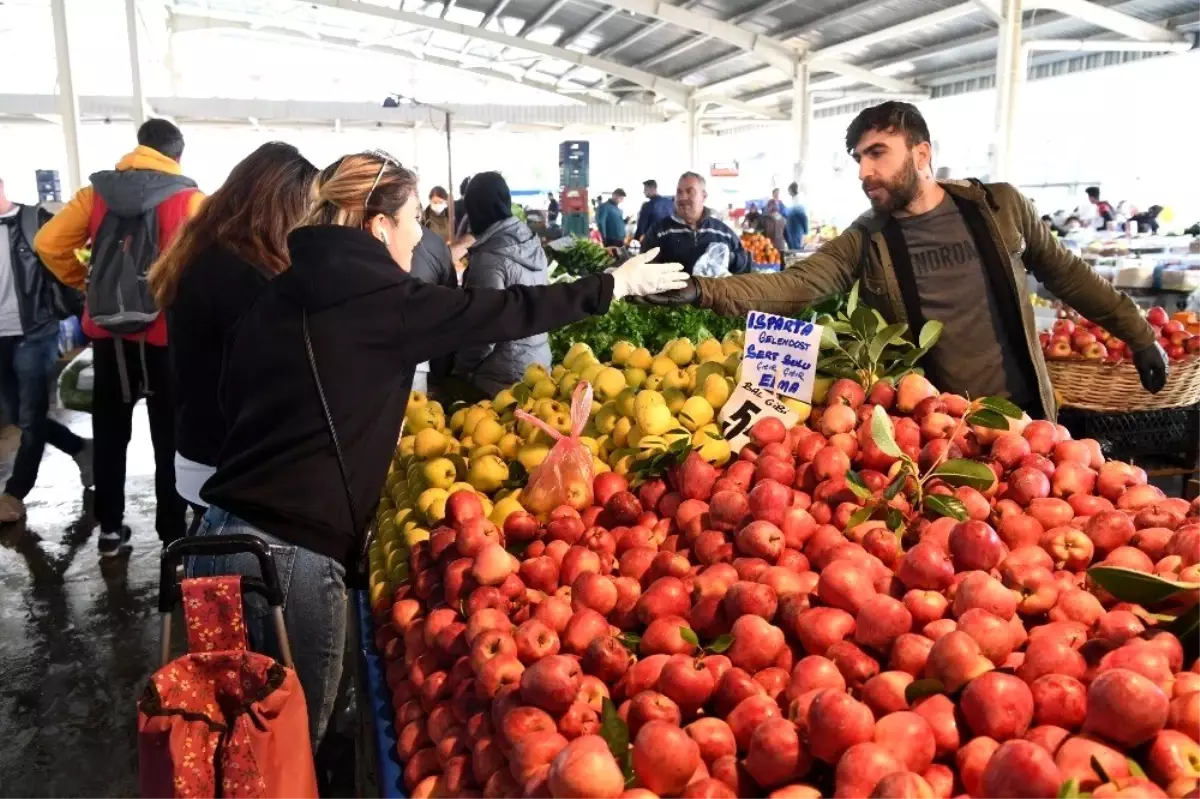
{"points": [[1100, 386]]}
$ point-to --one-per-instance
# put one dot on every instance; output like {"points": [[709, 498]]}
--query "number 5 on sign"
{"points": [[747, 405]]}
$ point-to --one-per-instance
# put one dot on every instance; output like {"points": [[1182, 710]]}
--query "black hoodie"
{"points": [[370, 325]]}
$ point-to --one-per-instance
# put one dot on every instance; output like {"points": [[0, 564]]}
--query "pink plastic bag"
{"points": [[565, 477]]}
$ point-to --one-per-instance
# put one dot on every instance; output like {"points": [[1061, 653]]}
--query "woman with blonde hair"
{"points": [[207, 279], [315, 384]]}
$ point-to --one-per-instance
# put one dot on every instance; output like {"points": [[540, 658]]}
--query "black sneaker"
{"points": [[115, 543]]}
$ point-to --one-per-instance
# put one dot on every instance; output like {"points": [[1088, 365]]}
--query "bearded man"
{"points": [[957, 252]]}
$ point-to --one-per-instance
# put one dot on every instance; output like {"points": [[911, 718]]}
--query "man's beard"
{"points": [[898, 193]]}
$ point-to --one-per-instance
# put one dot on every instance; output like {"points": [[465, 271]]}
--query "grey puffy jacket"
{"points": [[506, 254]]}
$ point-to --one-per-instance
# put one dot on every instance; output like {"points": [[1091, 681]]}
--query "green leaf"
{"points": [[1001, 405], [1069, 789], [829, 338], [895, 519], [1187, 629], [963, 472], [952, 507], [1135, 768], [720, 644], [630, 641], [615, 733], [859, 516], [881, 431], [929, 335], [1099, 769], [1137, 587], [883, 338], [988, 418], [714, 436], [855, 482], [894, 487], [919, 689], [852, 300], [865, 323], [689, 635]]}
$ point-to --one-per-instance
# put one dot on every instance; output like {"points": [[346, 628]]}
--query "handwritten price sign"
{"points": [[747, 405], [780, 355]]}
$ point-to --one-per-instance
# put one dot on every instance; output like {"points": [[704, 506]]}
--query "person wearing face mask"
{"points": [[314, 386], [957, 252], [436, 215]]}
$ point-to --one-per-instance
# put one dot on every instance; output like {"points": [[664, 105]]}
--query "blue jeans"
{"points": [[314, 609], [26, 369]]}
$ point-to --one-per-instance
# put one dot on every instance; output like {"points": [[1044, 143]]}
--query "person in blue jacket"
{"points": [[689, 233], [797, 219], [610, 221], [654, 210]]}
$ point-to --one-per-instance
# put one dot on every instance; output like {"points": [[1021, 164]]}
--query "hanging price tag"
{"points": [[747, 405], [780, 355]]}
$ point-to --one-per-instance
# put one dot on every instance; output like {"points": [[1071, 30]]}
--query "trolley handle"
{"points": [[191, 546]]}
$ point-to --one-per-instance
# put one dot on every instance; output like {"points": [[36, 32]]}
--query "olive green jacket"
{"points": [[1018, 234]]}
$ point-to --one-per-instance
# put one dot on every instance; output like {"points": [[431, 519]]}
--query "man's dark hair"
{"points": [[462, 187], [619, 193], [793, 188], [1093, 192], [161, 135], [892, 116], [650, 184]]}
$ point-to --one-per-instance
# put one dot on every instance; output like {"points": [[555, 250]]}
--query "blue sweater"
{"points": [[797, 225], [680, 243], [653, 211], [610, 223]]}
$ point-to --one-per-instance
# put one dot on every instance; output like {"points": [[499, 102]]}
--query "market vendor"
{"points": [[688, 233], [953, 251]]}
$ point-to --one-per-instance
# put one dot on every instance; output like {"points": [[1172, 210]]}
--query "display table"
{"points": [[377, 736]]}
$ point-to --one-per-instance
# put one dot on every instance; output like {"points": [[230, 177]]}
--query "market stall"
{"points": [[641, 569]]}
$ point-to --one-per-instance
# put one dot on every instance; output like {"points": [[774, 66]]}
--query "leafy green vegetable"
{"points": [[645, 325], [584, 257]]}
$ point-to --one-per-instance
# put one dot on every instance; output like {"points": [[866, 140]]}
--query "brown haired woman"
{"points": [[332, 342], [212, 273]]}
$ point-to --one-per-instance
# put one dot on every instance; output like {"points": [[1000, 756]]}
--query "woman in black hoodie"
{"points": [[316, 380], [207, 279]]}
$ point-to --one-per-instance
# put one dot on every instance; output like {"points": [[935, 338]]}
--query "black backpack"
{"points": [[124, 247]]}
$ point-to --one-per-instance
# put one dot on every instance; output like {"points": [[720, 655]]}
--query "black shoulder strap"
{"points": [[29, 223], [361, 549], [902, 264]]}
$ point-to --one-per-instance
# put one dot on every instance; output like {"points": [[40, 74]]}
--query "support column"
{"points": [[801, 120], [693, 135], [68, 103], [138, 100], [1010, 75]]}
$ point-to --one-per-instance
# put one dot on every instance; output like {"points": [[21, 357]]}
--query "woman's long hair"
{"points": [[355, 188], [250, 216]]}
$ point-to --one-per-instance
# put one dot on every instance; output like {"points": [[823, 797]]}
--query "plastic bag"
{"points": [[714, 262], [565, 476]]}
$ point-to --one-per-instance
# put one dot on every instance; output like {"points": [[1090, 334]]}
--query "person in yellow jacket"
{"points": [[128, 216]]}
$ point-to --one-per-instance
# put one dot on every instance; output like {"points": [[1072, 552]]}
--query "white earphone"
{"points": [[383, 238]]}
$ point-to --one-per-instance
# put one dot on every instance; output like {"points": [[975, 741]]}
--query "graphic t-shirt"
{"points": [[970, 357]]}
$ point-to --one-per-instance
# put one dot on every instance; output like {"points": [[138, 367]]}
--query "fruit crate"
{"points": [[1164, 433]]}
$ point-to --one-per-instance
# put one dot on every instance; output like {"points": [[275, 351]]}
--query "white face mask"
{"points": [[437, 206]]}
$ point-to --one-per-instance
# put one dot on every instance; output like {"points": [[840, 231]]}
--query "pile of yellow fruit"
{"points": [[642, 404]]}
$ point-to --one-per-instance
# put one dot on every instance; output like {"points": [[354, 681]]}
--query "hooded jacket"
{"points": [[140, 172], [1006, 229], [370, 324], [506, 254]]}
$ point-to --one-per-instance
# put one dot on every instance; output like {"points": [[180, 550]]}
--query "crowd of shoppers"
{"points": [[279, 330]]}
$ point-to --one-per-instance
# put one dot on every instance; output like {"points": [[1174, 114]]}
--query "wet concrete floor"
{"points": [[78, 638]]}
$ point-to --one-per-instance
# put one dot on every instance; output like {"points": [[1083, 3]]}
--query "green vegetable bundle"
{"points": [[584, 257], [647, 326]]}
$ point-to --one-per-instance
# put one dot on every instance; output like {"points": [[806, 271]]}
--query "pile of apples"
{"points": [[1078, 338], [725, 632]]}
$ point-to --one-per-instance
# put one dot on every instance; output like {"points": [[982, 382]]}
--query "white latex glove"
{"points": [[637, 277]]}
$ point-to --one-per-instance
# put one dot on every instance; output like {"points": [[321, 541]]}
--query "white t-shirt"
{"points": [[10, 308]]}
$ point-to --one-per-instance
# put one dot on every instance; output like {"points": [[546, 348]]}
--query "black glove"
{"points": [[1151, 364], [688, 295]]}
